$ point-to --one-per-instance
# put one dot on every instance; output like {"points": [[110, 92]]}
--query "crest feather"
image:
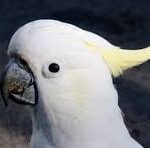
{"points": [[118, 59]]}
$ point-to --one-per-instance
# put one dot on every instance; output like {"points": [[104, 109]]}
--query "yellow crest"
{"points": [[118, 59]]}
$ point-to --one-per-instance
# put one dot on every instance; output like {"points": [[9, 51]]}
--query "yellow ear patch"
{"points": [[118, 59]]}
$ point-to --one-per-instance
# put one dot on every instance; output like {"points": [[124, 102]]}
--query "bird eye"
{"points": [[54, 67]]}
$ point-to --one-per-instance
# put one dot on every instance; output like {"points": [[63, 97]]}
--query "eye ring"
{"points": [[54, 67]]}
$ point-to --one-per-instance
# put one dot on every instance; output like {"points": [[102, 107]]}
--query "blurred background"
{"points": [[123, 23]]}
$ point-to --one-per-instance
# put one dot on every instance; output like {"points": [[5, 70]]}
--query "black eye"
{"points": [[53, 67]]}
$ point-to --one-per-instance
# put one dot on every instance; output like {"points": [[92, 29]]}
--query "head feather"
{"points": [[118, 59]]}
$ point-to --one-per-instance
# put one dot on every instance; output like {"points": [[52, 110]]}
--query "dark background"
{"points": [[123, 23]]}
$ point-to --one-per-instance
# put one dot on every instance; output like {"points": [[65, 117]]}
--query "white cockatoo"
{"points": [[66, 73]]}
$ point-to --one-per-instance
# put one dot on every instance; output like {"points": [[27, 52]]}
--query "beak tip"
{"points": [[1, 88], [3, 98]]}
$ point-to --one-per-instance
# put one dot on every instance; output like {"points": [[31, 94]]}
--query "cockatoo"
{"points": [[66, 73]]}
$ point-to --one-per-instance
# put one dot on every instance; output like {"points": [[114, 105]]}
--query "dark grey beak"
{"points": [[18, 83]]}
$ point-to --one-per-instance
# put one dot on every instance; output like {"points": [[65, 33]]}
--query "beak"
{"points": [[18, 84]]}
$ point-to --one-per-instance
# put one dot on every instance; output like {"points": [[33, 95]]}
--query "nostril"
{"points": [[22, 63]]}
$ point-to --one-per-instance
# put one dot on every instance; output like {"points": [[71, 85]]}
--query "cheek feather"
{"points": [[80, 85]]}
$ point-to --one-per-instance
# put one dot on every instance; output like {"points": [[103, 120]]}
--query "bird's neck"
{"points": [[60, 131]]}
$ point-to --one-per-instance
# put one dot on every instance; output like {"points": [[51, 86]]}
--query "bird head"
{"points": [[50, 59], [63, 65]]}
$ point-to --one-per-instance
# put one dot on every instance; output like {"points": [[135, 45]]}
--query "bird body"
{"points": [[77, 101]]}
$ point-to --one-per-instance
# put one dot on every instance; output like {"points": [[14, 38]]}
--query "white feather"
{"points": [[78, 107]]}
